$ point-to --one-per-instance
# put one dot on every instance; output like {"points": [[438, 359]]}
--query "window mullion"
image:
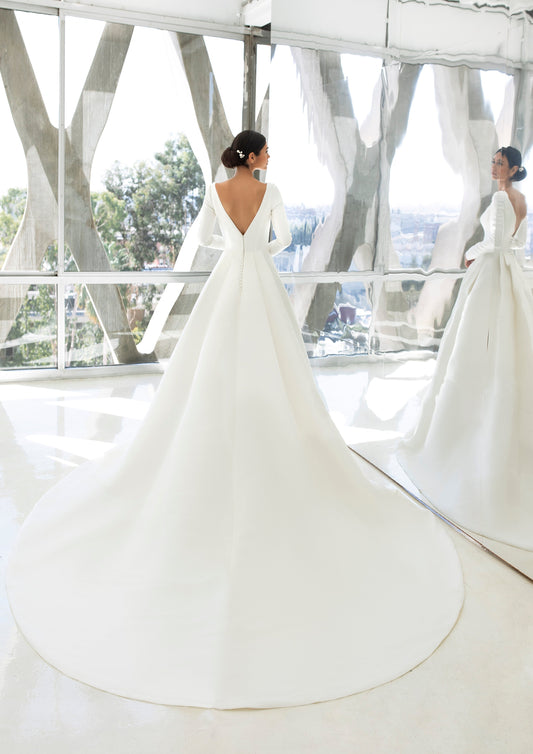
{"points": [[60, 289]]}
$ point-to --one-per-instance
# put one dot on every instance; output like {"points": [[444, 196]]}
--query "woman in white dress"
{"points": [[471, 453], [235, 554]]}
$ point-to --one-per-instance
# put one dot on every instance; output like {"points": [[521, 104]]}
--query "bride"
{"points": [[234, 554], [471, 452]]}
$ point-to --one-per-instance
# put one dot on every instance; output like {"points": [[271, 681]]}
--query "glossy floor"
{"points": [[374, 406], [474, 694]]}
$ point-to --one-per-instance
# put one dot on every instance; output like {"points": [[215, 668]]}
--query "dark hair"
{"points": [[514, 158], [241, 147]]}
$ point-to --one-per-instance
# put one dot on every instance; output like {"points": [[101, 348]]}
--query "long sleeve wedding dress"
{"points": [[472, 449], [235, 554]]}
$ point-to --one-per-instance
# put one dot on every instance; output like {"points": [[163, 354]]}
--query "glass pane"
{"points": [[86, 344], [340, 317], [263, 75], [304, 222], [440, 181], [40, 34], [410, 315], [422, 196], [324, 133], [526, 186], [84, 338], [227, 60], [31, 340], [134, 185], [296, 166], [379, 317], [28, 156], [143, 138]]}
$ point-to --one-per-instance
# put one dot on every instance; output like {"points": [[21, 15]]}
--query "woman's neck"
{"points": [[504, 186], [243, 173]]}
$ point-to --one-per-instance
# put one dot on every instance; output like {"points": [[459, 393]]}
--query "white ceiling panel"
{"points": [[225, 12], [357, 21], [498, 32], [458, 31]]}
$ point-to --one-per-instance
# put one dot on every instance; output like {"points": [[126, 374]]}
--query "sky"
{"points": [[152, 104]]}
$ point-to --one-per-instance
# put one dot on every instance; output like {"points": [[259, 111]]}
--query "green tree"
{"points": [[145, 211], [12, 207], [110, 215], [33, 334], [154, 204]]}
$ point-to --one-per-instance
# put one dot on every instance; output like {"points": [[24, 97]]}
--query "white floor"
{"points": [[374, 406], [473, 695]]}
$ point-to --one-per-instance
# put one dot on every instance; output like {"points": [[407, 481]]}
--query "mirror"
{"points": [[392, 176], [373, 404]]}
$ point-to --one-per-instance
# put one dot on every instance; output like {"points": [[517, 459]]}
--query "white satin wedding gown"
{"points": [[235, 554], [471, 453]]}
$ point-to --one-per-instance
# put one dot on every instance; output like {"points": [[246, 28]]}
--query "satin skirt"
{"points": [[234, 554], [472, 449]]}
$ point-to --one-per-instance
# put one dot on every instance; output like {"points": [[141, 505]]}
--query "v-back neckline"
{"points": [[517, 227], [229, 216]]}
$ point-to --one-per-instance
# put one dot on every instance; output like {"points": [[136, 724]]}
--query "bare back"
{"points": [[518, 200], [241, 199]]}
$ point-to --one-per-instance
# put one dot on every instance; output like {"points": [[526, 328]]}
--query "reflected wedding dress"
{"points": [[471, 453], [234, 554]]}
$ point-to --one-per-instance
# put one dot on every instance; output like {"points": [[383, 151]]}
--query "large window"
{"points": [[115, 188], [384, 167]]}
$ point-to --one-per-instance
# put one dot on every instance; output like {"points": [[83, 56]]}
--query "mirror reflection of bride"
{"points": [[471, 453]]}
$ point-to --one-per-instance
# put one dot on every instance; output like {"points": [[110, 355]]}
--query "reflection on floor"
{"points": [[474, 694], [374, 406]]}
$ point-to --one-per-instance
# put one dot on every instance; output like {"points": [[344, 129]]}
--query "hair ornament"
{"points": [[521, 169], [240, 153]]}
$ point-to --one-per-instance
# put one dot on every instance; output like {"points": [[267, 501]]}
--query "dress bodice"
{"points": [[256, 237], [499, 222]]}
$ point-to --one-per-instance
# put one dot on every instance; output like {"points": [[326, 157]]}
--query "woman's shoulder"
{"points": [[274, 193], [511, 204], [219, 186], [499, 196], [515, 197]]}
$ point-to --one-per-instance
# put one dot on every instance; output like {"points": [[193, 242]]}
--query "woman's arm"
{"points": [[494, 237], [497, 218], [280, 225], [205, 222]]}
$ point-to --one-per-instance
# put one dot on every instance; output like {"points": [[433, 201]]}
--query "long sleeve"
{"points": [[205, 222], [497, 218], [280, 224], [494, 227]]}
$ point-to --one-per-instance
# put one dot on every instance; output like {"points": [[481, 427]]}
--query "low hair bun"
{"points": [[242, 146], [230, 158], [520, 174]]}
